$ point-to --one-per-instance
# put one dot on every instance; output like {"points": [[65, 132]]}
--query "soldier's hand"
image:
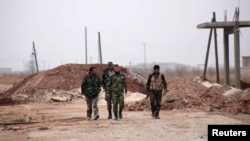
{"points": [[147, 95], [85, 98], [107, 96], [126, 92]]}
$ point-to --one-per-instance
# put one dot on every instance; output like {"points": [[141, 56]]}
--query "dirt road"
{"points": [[63, 122]]}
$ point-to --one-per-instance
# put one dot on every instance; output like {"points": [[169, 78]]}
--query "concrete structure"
{"points": [[245, 70], [229, 28], [245, 61], [163, 66]]}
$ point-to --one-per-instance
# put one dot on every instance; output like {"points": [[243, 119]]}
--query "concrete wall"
{"points": [[245, 70], [246, 62]]}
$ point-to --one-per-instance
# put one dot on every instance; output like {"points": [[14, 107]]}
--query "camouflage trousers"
{"points": [[155, 101], [109, 102], [92, 102], [117, 99]]}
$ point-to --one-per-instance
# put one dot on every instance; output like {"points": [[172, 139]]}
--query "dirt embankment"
{"points": [[65, 77], [182, 93], [186, 93]]}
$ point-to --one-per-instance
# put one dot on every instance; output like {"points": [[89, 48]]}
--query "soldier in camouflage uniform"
{"points": [[117, 85], [156, 86], [106, 75], [91, 87]]}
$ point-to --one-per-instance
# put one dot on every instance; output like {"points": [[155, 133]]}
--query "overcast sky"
{"points": [[167, 27]]}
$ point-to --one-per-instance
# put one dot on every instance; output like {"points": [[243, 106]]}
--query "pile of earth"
{"points": [[63, 78], [186, 93]]}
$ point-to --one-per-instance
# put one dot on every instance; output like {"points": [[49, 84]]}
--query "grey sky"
{"points": [[168, 28]]}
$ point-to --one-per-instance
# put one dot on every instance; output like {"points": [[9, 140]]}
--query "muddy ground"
{"points": [[67, 121]]}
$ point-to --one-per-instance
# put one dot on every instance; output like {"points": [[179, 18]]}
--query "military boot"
{"points": [[157, 115], [110, 114], [153, 115], [153, 112], [120, 114], [116, 115], [96, 117], [88, 116]]}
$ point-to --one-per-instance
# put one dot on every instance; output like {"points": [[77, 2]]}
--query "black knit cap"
{"points": [[156, 67]]}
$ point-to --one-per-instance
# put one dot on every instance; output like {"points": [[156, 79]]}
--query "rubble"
{"points": [[8, 101], [60, 98], [62, 84], [59, 82], [234, 94], [246, 94], [188, 93]]}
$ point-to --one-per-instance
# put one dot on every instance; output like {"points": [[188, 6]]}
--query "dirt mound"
{"points": [[186, 93], [65, 77], [244, 85], [8, 101]]}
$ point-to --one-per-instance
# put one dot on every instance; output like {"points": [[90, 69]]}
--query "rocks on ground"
{"points": [[61, 83], [186, 93]]}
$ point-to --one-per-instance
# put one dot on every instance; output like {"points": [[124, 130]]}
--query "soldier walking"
{"points": [[117, 86], [156, 86], [91, 87], [105, 76]]}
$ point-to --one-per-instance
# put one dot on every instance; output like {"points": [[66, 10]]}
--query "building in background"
{"points": [[5, 71], [245, 70]]}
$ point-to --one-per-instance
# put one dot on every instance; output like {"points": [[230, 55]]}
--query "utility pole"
{"points": [[35, 55], [225, 15], [207, 53], [86, 53], [216, 52], [100, 47]]}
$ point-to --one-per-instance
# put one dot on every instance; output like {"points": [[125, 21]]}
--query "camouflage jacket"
{"points": [[117, 83], [105, 76], [91, 86]]}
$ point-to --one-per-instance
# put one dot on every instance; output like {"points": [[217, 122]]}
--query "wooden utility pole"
{"points": [[100, 47], [207, 54], [216, 52], [35, 55], [86, 51]]}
